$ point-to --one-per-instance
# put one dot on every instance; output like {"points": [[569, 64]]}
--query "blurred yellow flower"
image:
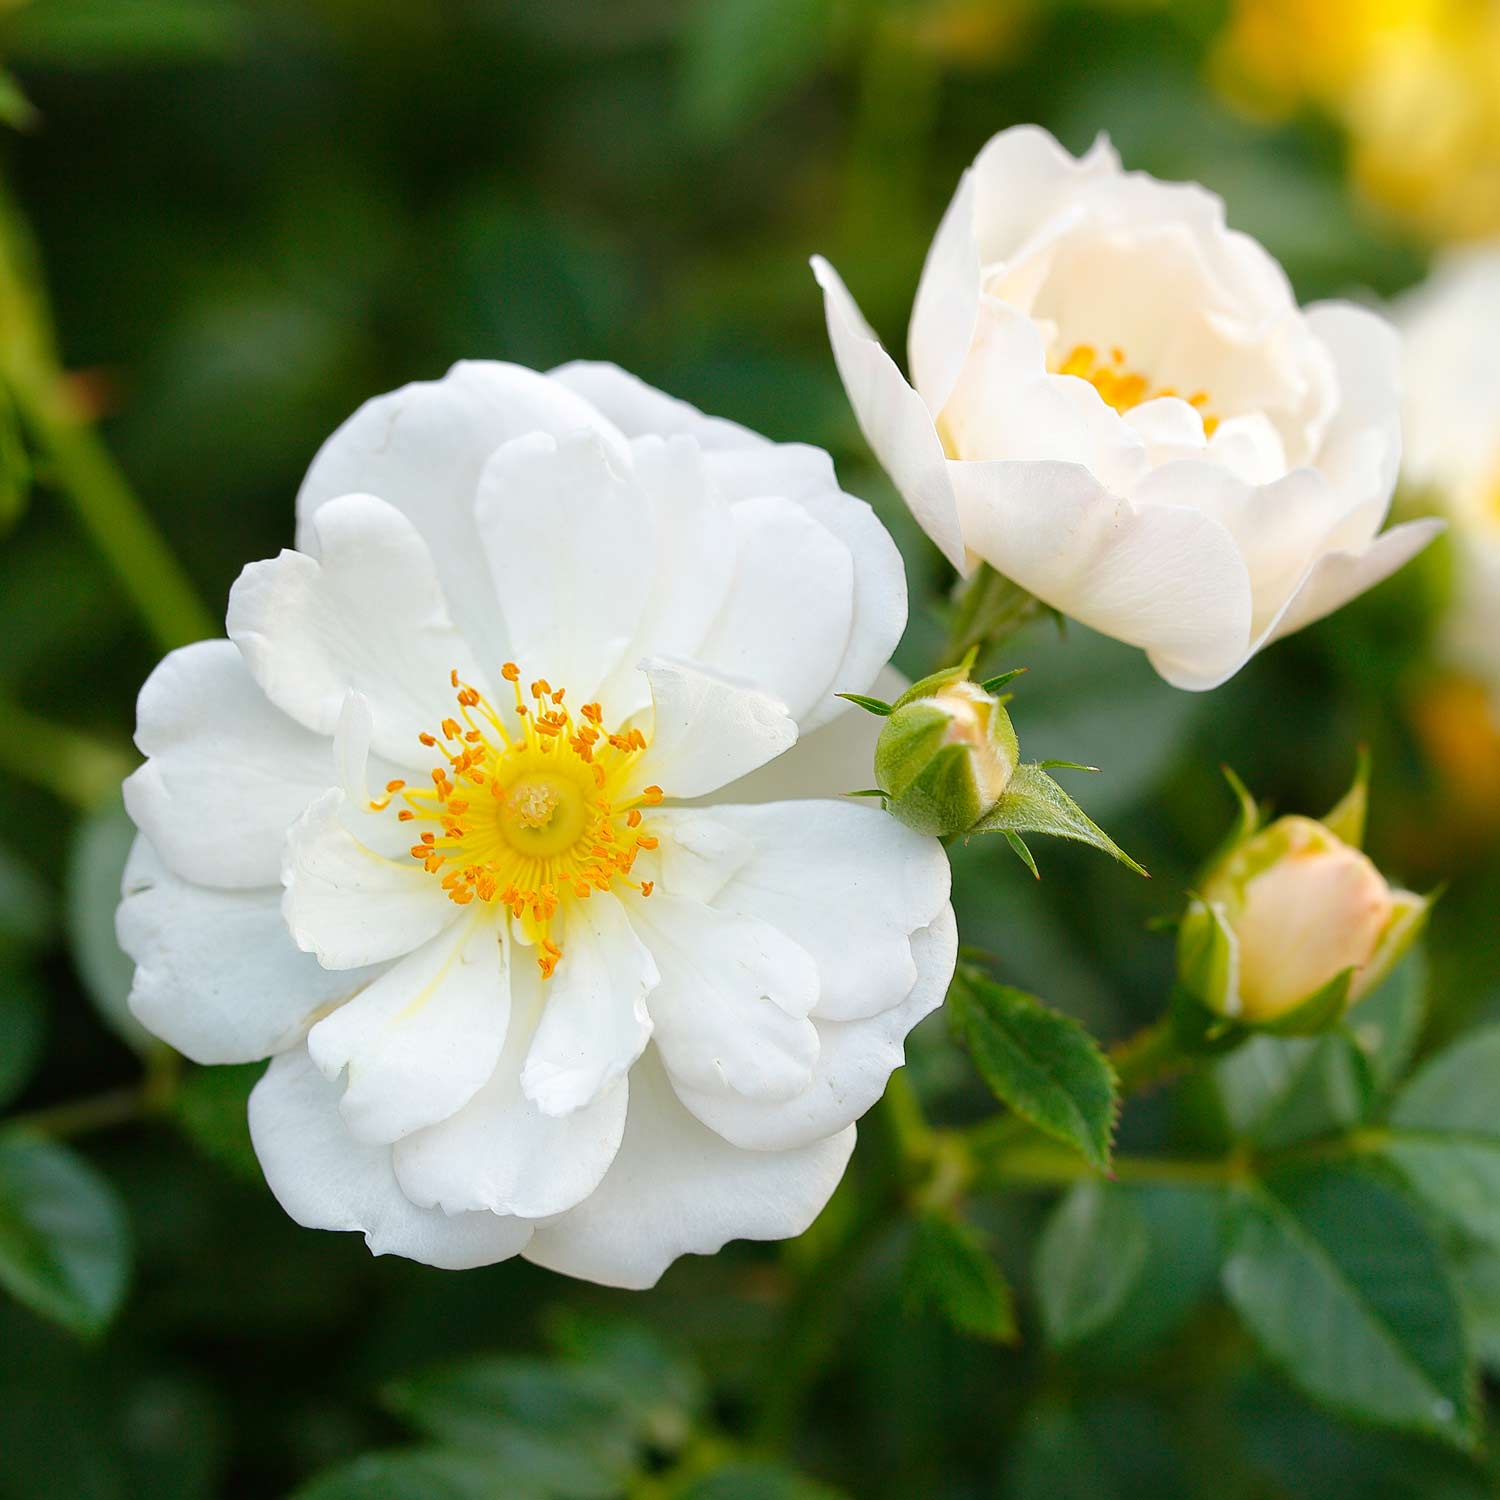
{"points": [[1416, 83]]}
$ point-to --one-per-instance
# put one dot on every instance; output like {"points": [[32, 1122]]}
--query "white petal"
{"points": [[1339, 577], [1361, 451], [694, 549], [676, 1188], [217, 975], [422, 448], [879, 616], [731, 1006], [350, 904], [570, 540], [421, 1039], [1162, 577], [707, 731], [325, 1179], [638, 409], [835, 760], [227, 773], [693, 546], [369, 616], [855, 1059], [699, 852], [501, 1152], [1022, 178], [791, 570], [1278, 527], [893, 417], [942, 317], [846, 882], [594, 1022]]}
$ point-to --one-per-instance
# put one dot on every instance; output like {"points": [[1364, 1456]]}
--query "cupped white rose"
{"points": [[1451, 328], [1116, 403], [474, 827]]}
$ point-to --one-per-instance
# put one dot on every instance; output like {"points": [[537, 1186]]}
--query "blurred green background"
{"points": [[250, 215]]}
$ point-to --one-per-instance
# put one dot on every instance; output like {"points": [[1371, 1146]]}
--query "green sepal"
{"points": [[1346, 820], [1066, 765], [935, 682], [870, 705], [872, 791], [1208, 958], [1022, 853], [1321, 1011], [992, 685], [1034, 803], [1198, 1029], [1247, 824]]}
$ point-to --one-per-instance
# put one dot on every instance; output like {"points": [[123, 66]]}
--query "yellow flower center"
{"points": [[1124, 388], [531, 813]]}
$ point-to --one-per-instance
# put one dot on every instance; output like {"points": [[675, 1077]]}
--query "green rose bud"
{"points": [[1293, 924], [946, 754]]}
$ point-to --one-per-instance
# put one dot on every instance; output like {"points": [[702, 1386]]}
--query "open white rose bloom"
{"points": [[1116, 402], [454, 828], [1452, 337]]}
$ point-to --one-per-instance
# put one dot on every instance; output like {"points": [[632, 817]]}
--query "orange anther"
{"points": [[394, 786], [510, 672], [633, 817], [652, 795], [427, 739], [647, 886], [406, 815]]}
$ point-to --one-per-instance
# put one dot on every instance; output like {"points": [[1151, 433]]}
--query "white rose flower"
{"points": [[543, 965], [1451, 326], [1117, 404]]}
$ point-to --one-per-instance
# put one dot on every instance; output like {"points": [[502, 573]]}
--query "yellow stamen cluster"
{"points": [[528, 814], [1123, 388]]}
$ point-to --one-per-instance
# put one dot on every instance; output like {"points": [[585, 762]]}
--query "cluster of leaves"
{"points": [[619, 1412], [1346, 1208]]}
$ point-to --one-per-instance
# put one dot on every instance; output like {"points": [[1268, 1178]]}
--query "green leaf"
{"points": [[1387, 1023], [106, 33], [20, 114], [1477, 1275], [877, 706], [754, 1480], [23, 1031], [96, 862], [15, 462], [1034, 803], [1444, 1135], [1093, 1251], [64, 1244], [1183, 1226], [1339, 1282], [1277, 1091], [212, 1107], [562, 1429], [417, 1474], [949, 1271], [658, 1385], [1044, 1065]]}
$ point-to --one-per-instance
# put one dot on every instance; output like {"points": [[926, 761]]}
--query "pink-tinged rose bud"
{"points": [[1318, 910]]}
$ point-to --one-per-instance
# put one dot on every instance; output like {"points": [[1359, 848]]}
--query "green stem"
{"points": [[1148, 1058], [72, 765], [98, 1112], [987, 610], [87, 476]]}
